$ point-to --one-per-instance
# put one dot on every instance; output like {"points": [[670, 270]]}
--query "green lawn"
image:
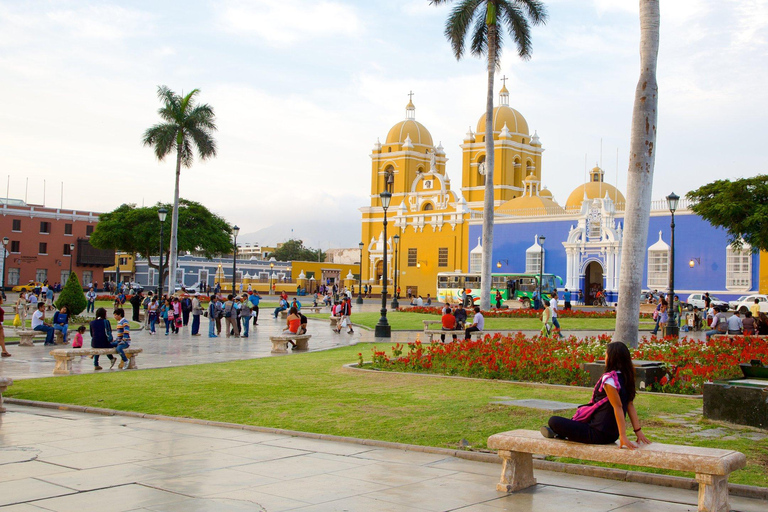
{"points": [[406, 321], [312, 392]]}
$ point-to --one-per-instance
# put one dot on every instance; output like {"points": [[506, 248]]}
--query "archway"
{"points": [[593, 281], [379, 271]]}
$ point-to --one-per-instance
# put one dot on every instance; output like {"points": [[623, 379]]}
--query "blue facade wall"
{"points": [[694, 238]]}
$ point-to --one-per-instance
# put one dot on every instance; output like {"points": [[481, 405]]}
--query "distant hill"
{"points": [[315, 234]]}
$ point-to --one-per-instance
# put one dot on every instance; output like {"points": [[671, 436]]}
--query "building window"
{"points": [[15, 246], [13, 276], [123, 262], [442, 257], [476, 262], [87, 277], [64, 276], [42, 248], [67, 252], [428, 207], [88, 230], [16, 225], [67, 229], [658, 265], [413, 257], [45, 227], [738, 269], [533, 262], [41, 275]]}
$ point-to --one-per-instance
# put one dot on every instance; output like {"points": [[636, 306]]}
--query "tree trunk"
{"points": [[173, 249], [488, 202], [642, 158]]}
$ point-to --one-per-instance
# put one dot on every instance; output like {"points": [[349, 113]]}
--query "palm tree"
{"points": [[642, 158], [483, 18], [185, 126]]}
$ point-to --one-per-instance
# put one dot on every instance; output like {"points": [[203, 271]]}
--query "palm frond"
{"points": [[537, 11], [479, 43], [518, 27], [202, 116], [162, 137], [458, 23], [206, 145], [187, 152]]}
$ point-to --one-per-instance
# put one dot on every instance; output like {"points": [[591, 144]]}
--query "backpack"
{"points": [[228, 310], [584, 413]]}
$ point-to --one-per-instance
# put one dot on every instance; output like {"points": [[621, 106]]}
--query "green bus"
{"points": [[450, 286]]}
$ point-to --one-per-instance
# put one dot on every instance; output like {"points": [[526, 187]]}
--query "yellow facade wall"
{"points": [[763, 287]]}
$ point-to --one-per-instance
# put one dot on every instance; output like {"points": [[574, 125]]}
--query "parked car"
{"points": [[136, 287], [749, 300], [696, 300], [732, 303], [26, 287], [191, 289]]}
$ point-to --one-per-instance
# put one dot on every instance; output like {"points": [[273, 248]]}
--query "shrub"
{"points": [[72, 296]]}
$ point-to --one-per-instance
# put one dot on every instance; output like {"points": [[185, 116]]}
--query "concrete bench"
{"points": [[27, 337], [64, 357], [280, 342], [727, 337], [335, 321], [305, 309], [4, 383], [712, 466]]}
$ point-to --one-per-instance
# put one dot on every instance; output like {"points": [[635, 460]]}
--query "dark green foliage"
{"points": [[294, 250], [72, 296], [738, 206], [137, 231]]}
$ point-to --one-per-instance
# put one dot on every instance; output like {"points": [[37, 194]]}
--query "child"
{"points": [[123, 340], [78, 341]]}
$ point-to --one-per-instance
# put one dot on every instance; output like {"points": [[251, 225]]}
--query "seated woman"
{"points": [[61, 322], [292, 324], [101, 336], [602, 420]]}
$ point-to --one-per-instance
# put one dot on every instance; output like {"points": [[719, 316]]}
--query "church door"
{"points": [[379, 271], [593, 282]]}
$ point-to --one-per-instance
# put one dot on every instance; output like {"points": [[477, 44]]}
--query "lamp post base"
{"points": [[395, 304], [383, 331], [670, 330], [359, 299]]}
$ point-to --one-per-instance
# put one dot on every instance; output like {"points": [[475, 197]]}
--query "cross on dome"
{"points": [[410, 109]]}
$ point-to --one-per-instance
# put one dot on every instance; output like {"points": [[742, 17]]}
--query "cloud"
{"points": [[287, 23]]}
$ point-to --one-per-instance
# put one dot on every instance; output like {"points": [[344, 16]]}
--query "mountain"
{"points": [[314, 234]]}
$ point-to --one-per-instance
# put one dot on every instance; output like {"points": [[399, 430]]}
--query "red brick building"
{"points": [[40, 240]]}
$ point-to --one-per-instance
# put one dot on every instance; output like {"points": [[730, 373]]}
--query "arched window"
{"points": [[389, 178], [738, 268], [427, 207], [658, 265], [481, 170]]}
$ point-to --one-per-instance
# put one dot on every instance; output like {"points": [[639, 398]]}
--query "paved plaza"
{"points": [[63, 460]]}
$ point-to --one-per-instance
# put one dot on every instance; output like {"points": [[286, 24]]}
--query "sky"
{"points": [[303, 89]]}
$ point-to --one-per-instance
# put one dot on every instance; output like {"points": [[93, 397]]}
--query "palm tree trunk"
{"points": [[488, 202], [642, 158], [173, 250]]}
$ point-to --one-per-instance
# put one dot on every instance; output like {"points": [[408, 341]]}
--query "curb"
{"points": [[677, 482]]}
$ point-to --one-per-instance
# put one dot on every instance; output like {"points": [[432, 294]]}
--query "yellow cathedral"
{"points": [[428, 221]]}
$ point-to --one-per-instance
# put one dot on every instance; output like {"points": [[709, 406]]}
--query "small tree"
{"points": [[72, 296], [294, 250]]}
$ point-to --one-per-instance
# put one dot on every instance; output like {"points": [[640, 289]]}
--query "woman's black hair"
{"points": [[617, 357], [101, 313]]}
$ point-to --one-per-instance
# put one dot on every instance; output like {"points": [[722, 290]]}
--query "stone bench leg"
{"points": [[58, 337], [3, 387], [517, 471], [131, 361], [713, 493], [63, 365], [302, 344], [25, 340], [334, 321], [279, 347]]}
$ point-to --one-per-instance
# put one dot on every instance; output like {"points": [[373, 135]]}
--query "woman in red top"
{"points": [[2, 332], [292, 324], [449, 323]]}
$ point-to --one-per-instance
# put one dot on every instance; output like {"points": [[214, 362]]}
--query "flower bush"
{"points": [[689, 362], [522, 313]]}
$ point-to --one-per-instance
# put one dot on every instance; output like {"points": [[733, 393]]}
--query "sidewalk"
{"points": [[76, 462]]}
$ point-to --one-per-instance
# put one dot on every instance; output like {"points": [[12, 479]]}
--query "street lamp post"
{"points": [[161, 214], [383, 329], [271, 273], [360, 276], [5, 257], [117, 274], [541, 266], [71, 256], [235, 231], [672, 329], [395, 304]]}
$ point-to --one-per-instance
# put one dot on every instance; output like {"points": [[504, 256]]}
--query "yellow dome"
{"points": [[410, 127], [530, 206], [545, 192], [594, 190], [502, 114]]}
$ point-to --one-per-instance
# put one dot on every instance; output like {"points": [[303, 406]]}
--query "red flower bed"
{"points": [[690, 363], [522, 313]]}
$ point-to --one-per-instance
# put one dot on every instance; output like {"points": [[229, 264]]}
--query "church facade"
{"points": [[432, 227]]}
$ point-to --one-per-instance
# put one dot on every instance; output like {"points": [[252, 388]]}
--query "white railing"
{"points": [[659, 205]]}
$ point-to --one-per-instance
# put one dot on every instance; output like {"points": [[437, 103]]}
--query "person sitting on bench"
{"points": [[478, 323], [38, 323], [449, 323]]}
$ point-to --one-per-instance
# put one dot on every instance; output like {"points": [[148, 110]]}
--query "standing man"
{"points": [[145, 303], [136, 301], [755, 309], [213, 312], [91, 298], [38, 323], [245, 314], [553, 308], [478, 323], [254, 299], [49, 297], [567, 299], [197, 311], [186, 309], [536, 300], [707, 300]]}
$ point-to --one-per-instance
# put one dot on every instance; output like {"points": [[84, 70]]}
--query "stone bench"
{"points": [[64, 357], [4, 383], [280, 342], [335, 321], [460, 333], [311, 309], [712, 466]]}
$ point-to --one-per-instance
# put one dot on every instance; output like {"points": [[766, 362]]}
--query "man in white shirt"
{"points": [[38, 323], [735, 324], [419, 301], [553, 307], [478, 323]]}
